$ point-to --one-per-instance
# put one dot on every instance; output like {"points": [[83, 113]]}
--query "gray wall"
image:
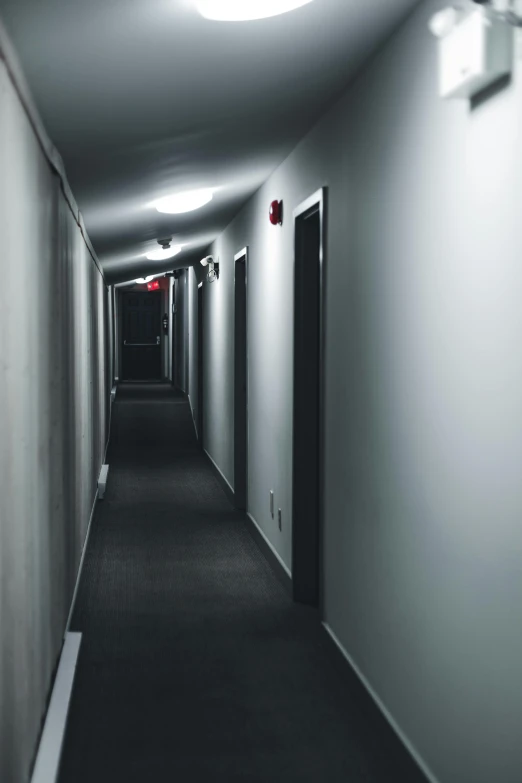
{"points": [[186, 321], [55, 379], [423, 533], [192, 340], [181, 332], [170, 351]]}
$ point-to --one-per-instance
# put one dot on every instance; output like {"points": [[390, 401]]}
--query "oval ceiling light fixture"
{"points": [[143, 280], [164, 253], [246, 10], [184, 202]]}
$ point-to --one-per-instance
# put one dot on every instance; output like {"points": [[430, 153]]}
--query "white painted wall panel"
{"points": [[53, 423], [181, 332], [423, 394], [192, 339]]}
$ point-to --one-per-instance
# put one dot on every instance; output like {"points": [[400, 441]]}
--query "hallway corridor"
{"points": [[195, 665]]}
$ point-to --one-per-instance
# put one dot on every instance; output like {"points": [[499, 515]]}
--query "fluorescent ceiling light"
{"points": [[246, 10], [163, 255], [184, 202], [143, 280]]}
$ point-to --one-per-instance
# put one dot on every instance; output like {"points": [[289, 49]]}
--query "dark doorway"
{"points": [[199, 422], [240, 382], [307, 441], [141, 335]]}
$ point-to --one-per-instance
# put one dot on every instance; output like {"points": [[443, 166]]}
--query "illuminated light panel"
{"points": [[184, 202], [154, 286], [163, 255], [143, 280], [246, 10]]}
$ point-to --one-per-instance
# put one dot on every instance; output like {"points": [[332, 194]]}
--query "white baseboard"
{"points": [[227, 482], [80, 568], [193, 417], [270, 546], [50, 748], [111, 403], [102, 480], [84, 549], [389, 717]]}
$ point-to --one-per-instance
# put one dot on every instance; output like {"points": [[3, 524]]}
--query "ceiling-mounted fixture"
{"points": [[276, 213], [179, 203], [144, 280], [246, 10], [166, 251], [164, 255], [206, 261], [475, 48]]}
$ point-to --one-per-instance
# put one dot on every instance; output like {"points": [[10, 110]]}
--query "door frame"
{"points": [[316, 203], [201, 365], [160, 296], [241, 502]]}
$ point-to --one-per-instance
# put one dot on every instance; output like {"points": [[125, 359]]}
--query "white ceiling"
{"points": [[143, 98]]}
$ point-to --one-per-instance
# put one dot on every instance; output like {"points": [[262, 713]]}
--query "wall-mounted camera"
{"points": [[213, 268]]}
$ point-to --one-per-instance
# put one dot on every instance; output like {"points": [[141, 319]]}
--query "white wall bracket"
{"points": [[475, 49], [50, 749], [102, 481]]}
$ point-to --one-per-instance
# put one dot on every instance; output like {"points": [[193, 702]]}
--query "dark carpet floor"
{"points": [[195, 665]]}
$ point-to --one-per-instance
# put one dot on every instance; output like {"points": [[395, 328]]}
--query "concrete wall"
{"points": [[55, 373], [423, 435]]}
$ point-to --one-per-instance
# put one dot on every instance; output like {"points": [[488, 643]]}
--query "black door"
{"points": [[307, 445], [200, 366], [141, 350], [240, 387]]}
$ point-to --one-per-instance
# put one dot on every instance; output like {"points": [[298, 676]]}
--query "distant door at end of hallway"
{"points": [[240, 382], [141, 335], [308, 402]]}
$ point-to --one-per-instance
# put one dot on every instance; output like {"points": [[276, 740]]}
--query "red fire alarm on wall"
{"points": [[154, 286], [276, 213]]}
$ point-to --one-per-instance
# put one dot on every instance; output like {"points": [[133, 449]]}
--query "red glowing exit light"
{"points": [[154, 286]]}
